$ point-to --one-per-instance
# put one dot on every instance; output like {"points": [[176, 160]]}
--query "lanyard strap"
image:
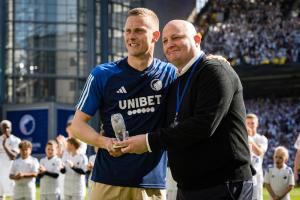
{"points": [[179, 98]]}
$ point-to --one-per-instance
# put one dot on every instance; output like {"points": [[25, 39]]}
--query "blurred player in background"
{"points": [[258, 145], [74, 168], [49, 171], [9, 149], [279, 179], [24, 172]]}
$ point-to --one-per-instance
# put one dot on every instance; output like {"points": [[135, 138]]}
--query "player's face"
{"points": [[279, 159], [178, 44], [6, 129], [25, 152], [252, 123], [50, 151], [140, 36], [70, 147]]}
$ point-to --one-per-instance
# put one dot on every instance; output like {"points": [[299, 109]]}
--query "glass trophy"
{"points": [[118, 125]]}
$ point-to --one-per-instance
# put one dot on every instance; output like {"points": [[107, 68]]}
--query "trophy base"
{"points": [[118, 146]]}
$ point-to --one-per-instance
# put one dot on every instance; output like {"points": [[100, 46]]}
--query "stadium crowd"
{"points": [[252, 31], [279, 121]]}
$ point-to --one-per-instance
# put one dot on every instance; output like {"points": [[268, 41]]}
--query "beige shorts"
{"points": [[99, 191]]}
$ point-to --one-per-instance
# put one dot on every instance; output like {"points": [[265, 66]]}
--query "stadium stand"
{"points": [[252, 31]]}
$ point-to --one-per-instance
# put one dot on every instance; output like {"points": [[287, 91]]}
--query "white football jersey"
{"points": [[50, 185], [24, 187], [279, 180], [261, 141], [74, 183]]}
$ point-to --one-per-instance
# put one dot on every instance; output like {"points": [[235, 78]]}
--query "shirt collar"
{"points": [[190, 63]]}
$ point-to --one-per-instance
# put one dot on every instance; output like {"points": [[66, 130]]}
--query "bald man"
{"points": [[206, 137]]}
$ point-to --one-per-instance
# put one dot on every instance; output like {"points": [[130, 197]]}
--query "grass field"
{"points": [[295, 194]]}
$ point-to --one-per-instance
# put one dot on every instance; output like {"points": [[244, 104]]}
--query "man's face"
{"points": [[139, 36], [6, 129], [252, 123], [178, 44]]}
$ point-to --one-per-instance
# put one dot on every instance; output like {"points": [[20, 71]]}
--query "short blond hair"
{"points": [[25, 144], [145, 12], [282, 149], [252, 116]]}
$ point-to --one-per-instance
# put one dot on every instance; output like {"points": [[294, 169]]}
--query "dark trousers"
{"points": [[241, 190]]}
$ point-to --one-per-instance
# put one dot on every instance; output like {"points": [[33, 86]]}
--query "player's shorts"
{"points": [[108, 192]]}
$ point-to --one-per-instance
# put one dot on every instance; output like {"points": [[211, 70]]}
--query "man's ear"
{"points": [[198, 38], [156, 36]]}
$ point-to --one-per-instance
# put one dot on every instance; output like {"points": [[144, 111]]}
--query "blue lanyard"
{"points": [[179, 98]]}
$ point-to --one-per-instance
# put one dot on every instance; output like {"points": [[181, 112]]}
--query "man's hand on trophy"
{"points": [[135, 144], [109, 146]]}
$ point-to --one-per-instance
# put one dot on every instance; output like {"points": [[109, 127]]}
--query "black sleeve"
{"points": [[51, 174], [78, 170], [214, 94], [40, 175], [88, 172], [63, 170]]}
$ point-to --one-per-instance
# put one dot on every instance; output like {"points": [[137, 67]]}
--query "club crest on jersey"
{"points": [[156, 84]]}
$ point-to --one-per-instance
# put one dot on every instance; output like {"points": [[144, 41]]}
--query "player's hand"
{"points": [[109, 146], [135, 144], [42, 168], [70, 163], [89, 166]]}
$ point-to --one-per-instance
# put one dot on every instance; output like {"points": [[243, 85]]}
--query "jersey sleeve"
{"points": [[13, 169], [36, 165], [83, 163], [42, 162], [291, 177], [58, 164], [15, 145], [91, 95]]}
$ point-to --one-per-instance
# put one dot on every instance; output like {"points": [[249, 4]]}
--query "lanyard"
{"points": [[179, 98]]}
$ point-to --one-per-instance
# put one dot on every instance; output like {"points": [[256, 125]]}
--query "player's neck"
{"points": [[73, 153], [280, 166], [140, 63]]}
